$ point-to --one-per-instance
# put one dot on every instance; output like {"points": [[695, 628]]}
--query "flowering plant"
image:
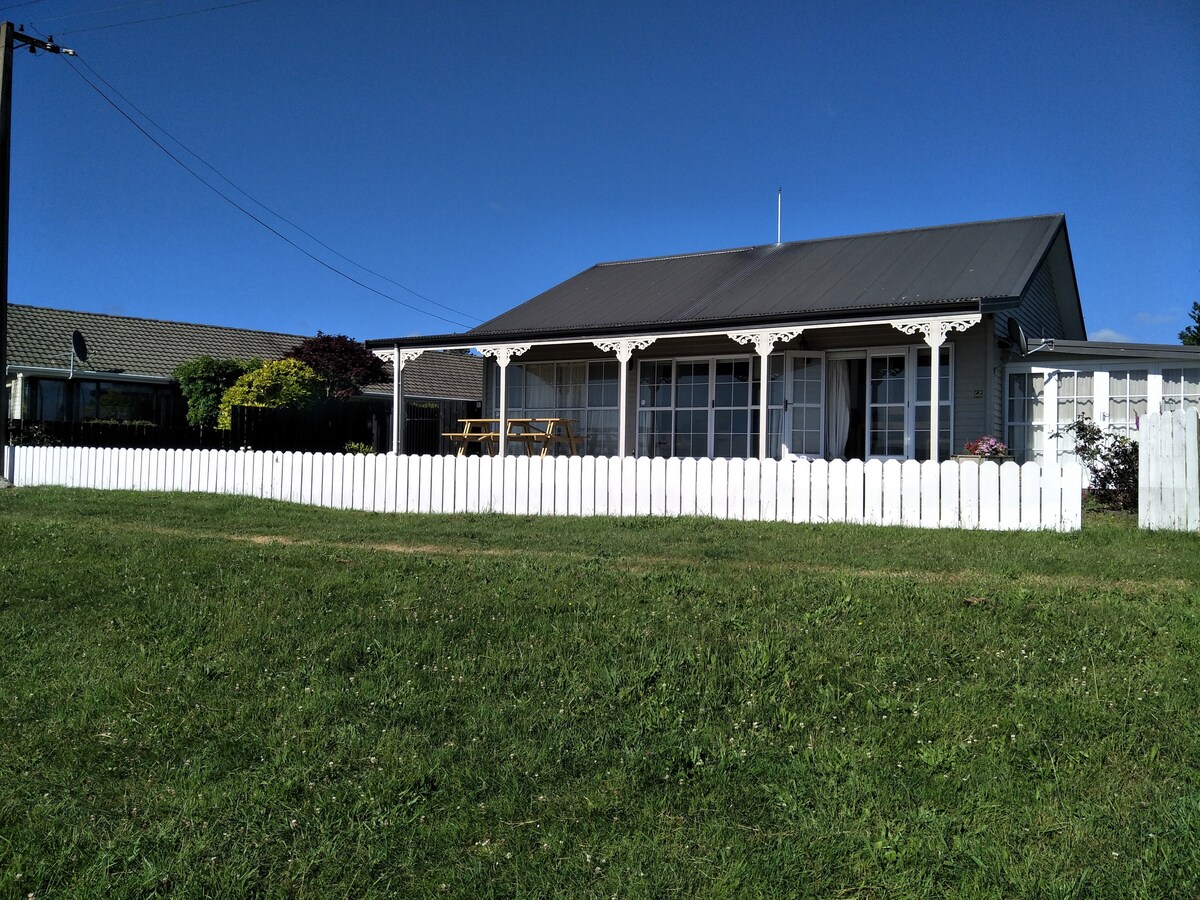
{"points": [[987, 447]]}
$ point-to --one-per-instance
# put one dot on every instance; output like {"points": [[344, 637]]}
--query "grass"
{"points": [[213, 696]]}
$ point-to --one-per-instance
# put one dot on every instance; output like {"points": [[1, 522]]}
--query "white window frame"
{"points": [[1101, 380]]}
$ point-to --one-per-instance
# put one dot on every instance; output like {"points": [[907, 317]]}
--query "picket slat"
{"points": [[704, 487], [910, 493], [931, 501], [819, 490], [1010, 496], [837, 491], [873, 492]]}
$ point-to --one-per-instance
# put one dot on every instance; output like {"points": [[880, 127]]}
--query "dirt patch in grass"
{"points": [[964, 578]]}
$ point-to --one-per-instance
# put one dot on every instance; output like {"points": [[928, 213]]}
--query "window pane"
{"points": [[654, 384], [654, 433], [733, 383], [571, 381], [691, 388], [602, 383], [691, 433], [601, 432], [540, 393]]}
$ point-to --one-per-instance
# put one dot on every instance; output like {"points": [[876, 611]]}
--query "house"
{"points": [[127, 371], [126, 375], [1112, 384], [895, 345]]}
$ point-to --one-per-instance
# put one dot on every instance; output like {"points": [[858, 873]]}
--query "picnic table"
{"points": [[540, 433], [484, 432]]}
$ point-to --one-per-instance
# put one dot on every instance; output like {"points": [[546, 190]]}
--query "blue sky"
{"points": [[479, 153]]}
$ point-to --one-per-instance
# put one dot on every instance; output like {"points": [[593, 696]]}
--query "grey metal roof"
{"points": [[40, 337], [948, 266], [859, 274], [1091, 349]]}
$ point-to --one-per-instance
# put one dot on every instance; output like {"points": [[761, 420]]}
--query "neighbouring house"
{"points": [[127, 373], [894, 345]]}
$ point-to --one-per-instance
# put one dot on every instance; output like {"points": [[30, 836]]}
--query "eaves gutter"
{"points": [[470, 340], [90, 374]]}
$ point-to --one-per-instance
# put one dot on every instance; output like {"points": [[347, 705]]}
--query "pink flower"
{"points": [[987, 446]]}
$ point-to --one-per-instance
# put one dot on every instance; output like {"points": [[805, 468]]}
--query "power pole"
{"points": [[9, 36]]}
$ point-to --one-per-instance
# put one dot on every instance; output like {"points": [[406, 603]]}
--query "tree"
{"points": [[276, 384], [1191, 334], [342, 363], [203, 382]]}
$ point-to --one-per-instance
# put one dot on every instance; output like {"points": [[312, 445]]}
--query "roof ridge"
{"points": [[819, 240], [627, 262]]}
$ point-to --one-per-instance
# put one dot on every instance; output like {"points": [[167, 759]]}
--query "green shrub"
{"points": [[276, 384], [1112, 460], [359, 447], [203, 382]]}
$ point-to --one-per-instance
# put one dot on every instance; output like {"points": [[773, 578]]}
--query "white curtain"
{"points": [[837, 408]]}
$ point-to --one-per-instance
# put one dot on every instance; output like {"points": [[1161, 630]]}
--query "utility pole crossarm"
{"points": [[37, 44]]}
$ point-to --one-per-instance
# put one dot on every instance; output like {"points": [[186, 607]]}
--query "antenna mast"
{"points": [[779, 219]]}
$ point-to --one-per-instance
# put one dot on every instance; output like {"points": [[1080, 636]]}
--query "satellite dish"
{"points": [[79, 345], [1016, 337]]}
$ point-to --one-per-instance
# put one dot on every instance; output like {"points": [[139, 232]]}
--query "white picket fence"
{"points": [[1169, 471], [927, 495]]}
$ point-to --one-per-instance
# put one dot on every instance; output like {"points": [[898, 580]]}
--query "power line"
{"points": [[19, 5], [262, 205], [178, 15], [251, 215], [96, 12]]}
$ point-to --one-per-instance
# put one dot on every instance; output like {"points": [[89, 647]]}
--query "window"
{"points": [[583, 391], [691, 409], [886, 405], [50, 400], [735, 409], [1026, 427], [1075, 392], [806, 405], [655, 416], [1127, 400], [698, 407], [602, 386], [1181, 388]]}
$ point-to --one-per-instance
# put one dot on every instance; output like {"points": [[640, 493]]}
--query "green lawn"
{"points": [[219, 697]]}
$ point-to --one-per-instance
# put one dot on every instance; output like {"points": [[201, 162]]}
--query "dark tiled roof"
{"points": [[38, 336], [41, 337], [858, 275], [450, 375]]}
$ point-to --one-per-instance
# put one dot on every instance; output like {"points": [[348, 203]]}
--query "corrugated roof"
{"points": [[853, 275], [41, 337], [1088, 349]]}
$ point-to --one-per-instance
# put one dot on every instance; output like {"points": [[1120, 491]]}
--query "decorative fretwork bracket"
{"points": [[765, 341], [397, 357], [624, 347], [504, 354], [935, 330]]}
